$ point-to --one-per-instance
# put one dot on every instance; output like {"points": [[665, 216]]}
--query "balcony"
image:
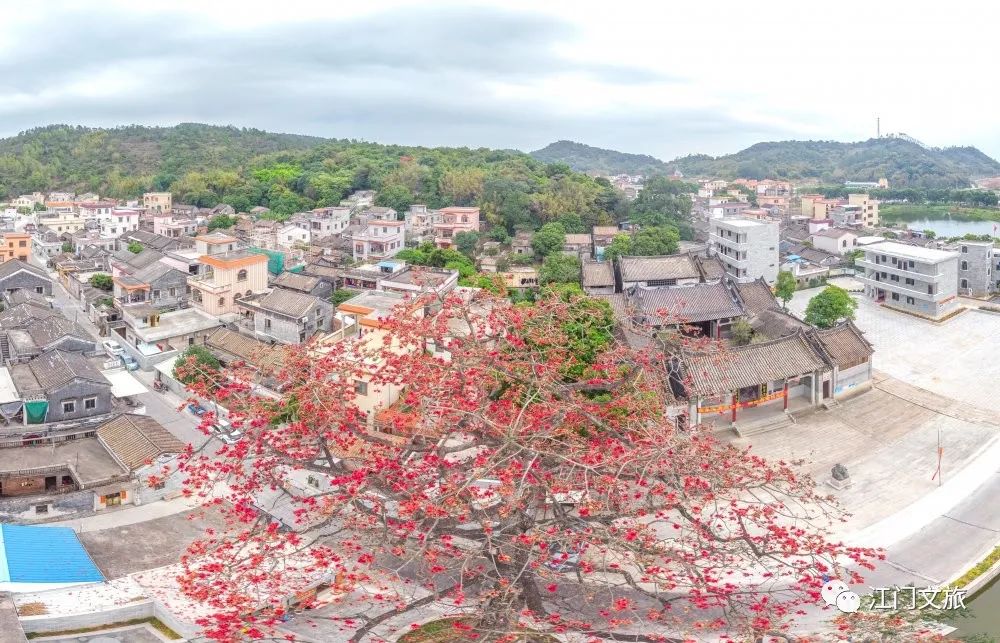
{"points": [[899, 287], [888, 268], [207, 284]]}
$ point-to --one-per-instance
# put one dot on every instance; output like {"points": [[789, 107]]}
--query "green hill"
{"points": [[204, 165], [595, 160], [902, 162]]}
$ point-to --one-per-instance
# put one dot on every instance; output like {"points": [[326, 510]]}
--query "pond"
{"points": [[955, 228], [985, 618]]}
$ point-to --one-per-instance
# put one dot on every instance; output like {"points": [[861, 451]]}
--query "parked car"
{"points": [[130, 363], [197, 409], [113, 348], [225, 431]]}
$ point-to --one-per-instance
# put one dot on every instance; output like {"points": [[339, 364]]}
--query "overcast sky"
{"points": [[664, 78]]}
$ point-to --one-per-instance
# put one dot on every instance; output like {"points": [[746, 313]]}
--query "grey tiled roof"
{"points": [[288, 302], [296, 281], [44, 332], [686, 304], [598, 274], [711, 268], [751, 365], [22, 315], [137, 439], [53, 369], [11, 266], [845, 344], [774, 323], [663, 267], [145, 258], [155, 271], [756, 296]]}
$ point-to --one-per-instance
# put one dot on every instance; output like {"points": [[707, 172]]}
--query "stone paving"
{"points": [[959, 358], [138, 634]]}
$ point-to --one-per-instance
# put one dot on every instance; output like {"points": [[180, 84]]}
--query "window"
{"points": [[965, 249], [222, 301], [241, 275], [909, 282], [267, 323], [21, 244], [964, 283], [173, 292], [159, 485], [191, 341], [965, 265], [67, 480], [40, 290], [361, 388], [41, 509], [909, 300], [196, 294], [895, 296], [156, 294], [89, 403], [69, 407]]}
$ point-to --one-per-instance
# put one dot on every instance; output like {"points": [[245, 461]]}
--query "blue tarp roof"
{"points": [[44, 555]]}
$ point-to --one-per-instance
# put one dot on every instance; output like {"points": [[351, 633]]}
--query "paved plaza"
{"points": [[137, 634], [959, 358]]}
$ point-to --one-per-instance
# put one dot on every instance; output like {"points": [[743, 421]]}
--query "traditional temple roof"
{"points": [[756, 296], [845, 344], [686, 304], [751, 365], [598, 274], [658, 268], [775, 323]]}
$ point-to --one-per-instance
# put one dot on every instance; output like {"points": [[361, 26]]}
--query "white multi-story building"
{"points": [[378, 240], [911, 278], [96, 210], [117, 221], [326, 222], [748, 247], [292, 233]]}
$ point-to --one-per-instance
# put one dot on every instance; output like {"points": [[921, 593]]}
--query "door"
{"points": [[113, 500], [826, 389], [50, 483]]}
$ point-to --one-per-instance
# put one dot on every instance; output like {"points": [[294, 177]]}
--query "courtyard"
{"points": [[959, 358]]}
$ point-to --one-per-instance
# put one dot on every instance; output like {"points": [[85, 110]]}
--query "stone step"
{"points": [[779, 421]]}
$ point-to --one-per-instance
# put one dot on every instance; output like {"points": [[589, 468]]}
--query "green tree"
{"points": [[341, 295], [852, 257], [742, 332], [829, 307], [560, 268], [221, 222], [102, 281], [664, 202], [40, 207], [930, 234], [784, 289], [67, 246], [134, 247], [195, 363], [466, 243], [397, 197], [572, 223], [658, 240], [550, 238], [620, 246]]}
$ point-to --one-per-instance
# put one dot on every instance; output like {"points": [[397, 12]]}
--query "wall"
{"points": [[61, 506], [851, 379], [979, 258], [78, 390], [116, 614]]}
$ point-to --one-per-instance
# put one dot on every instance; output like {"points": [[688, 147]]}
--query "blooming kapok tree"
{"points": [[520, 480]]}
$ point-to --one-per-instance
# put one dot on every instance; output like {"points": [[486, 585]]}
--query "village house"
{"points": [[293, 234], [59, 386], [151, 240], [16, 274], [228, 272], [578, 245], [914, 279], [16, 245], [43, 335], [598, 278], [94, 210], [748, 247], [304, 284], [520, 277], [378, 239], [62, 221], [157, 202], [869, 209], [838, 241], [453, 220], [419, 221], [521, 244], [666, 270], [325, 222], [975, 268], [603, 236], [155, 334], [92, 238], [150, 291], [174, 227], [416, 280], [285, 316], [46, 244]]}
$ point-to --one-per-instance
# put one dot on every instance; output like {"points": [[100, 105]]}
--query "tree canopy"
{"points": [[560, 268], [102, 281], [784, 288], [550, 238], [829, 307], [512, 480]]}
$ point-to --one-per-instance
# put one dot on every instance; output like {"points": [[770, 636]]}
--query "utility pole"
{"points": [[878, 127]]}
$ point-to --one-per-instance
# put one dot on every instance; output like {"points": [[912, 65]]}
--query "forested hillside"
{"points": [[903, 163], [205, 165], [595, 160]]}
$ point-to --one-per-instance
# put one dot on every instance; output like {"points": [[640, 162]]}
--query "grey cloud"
{"points": [[413, 76]]}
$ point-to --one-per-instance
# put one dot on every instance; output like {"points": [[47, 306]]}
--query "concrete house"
{"points": [[17, 274], [579, 245], [914, 279], [69, 384], [975, 268], [836, 241], [598, 278], [292, 234], [378, 239], [748, 247], [452, 220], [286, 316], [157, 201], [142, 446]]}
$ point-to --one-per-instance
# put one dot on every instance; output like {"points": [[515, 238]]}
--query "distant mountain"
{"points": [[595, 160], [903, 162]]}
